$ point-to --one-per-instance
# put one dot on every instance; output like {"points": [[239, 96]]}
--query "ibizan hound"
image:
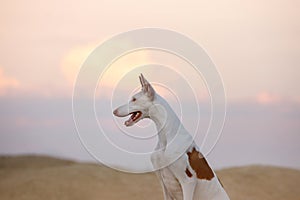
{"points": [[183, 171]]}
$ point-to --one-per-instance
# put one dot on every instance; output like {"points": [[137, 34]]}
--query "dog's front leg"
{"points": [[165, 191], [188, 189], [157, 163], [188, 183]]}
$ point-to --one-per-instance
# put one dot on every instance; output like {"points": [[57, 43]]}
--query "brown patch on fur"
{"points": [[200, 165], [188, 173]]}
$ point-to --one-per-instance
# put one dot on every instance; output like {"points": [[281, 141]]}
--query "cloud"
{"points": [[120, 79], [7, 83], [110, 79], [73, 59], [267, 98]]}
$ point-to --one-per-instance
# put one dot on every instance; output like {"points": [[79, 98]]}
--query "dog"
{"points": [[182, 170]]}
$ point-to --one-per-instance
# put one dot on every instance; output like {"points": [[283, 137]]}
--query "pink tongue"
{"points": [[129, 122]]}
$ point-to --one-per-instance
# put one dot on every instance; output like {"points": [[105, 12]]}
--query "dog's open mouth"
{"points": [[135, 116]]}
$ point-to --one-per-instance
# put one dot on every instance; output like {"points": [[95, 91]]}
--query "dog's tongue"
{"points": [[132, 119], [129, 122]]}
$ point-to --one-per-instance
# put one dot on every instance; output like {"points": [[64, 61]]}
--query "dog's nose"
{"points": [[115, 112]]}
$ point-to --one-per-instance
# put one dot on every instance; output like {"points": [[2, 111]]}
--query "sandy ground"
{"points": [[31, 177]]}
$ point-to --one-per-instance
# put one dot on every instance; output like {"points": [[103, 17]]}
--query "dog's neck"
{"points": [[167, 123]]}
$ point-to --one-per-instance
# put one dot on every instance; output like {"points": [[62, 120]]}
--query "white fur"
{"points": [[174, 142]]}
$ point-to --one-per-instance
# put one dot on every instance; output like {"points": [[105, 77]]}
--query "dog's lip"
{"points": [[120, 114]]}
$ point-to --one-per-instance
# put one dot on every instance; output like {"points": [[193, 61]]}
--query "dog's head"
{"points": [[139, 105]]}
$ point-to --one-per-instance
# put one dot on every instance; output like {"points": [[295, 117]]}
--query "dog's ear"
{"points": [[146, 87]]}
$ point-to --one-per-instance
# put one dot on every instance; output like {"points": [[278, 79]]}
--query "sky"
{"points": [[254, 45]]}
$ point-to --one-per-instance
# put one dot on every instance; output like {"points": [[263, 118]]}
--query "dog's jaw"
{"points": [[134, 116]]}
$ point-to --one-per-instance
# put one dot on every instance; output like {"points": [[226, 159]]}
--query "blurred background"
{"points": [[254, 44]]}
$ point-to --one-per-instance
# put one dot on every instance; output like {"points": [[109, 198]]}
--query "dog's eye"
{"points": [[133, 99]]}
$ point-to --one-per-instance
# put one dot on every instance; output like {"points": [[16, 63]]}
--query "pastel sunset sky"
{"points": [[254, 44]]}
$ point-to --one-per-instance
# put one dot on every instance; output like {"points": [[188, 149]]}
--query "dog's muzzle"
{"points": [[123, 111]]}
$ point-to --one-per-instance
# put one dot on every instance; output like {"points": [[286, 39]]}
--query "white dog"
{"points": [[183, 171]]}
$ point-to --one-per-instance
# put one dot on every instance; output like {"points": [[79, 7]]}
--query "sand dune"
{"points": [[31, 177]]}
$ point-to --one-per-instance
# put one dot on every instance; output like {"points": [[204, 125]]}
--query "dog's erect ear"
{"points": [[146, 87]]}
